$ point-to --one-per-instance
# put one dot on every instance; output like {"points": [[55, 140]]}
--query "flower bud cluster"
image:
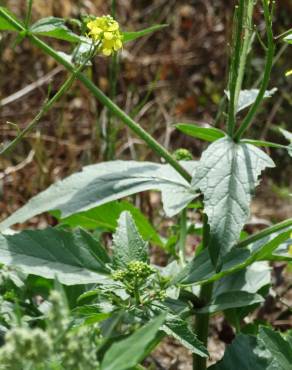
{"points": [[135, 270]]}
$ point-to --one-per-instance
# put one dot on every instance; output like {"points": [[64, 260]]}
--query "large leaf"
{"points": [[106, 217], [244, 355], [102, 183], [54, 27], [268, 351], [127, 243], [205, 133], [179, 329], [227, 175], [130, 36], [248, 97], [129, 352], [200, 269], [279, 348], [231, 299], [72, 258]]}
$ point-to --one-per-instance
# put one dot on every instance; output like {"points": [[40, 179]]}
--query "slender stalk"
{"points": [[238, 22], [243, 37], [182, 237], [47, 106], [28, 13], [128, 121], [266, 232], [266, 77], [118, 112], [111, 128], [202, 320]]}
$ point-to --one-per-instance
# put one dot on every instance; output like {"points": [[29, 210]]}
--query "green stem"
{"points": [[238, 25], [28, 14], [243, 32], [47, 106], [111, 128], [202, 320], [182, 237], [266, 232], [266, 77], [118, 112], [63, 89]]}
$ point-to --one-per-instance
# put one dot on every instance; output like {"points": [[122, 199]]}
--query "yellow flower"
{"points": [[105, 31]]}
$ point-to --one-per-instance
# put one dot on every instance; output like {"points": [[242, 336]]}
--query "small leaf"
{"points": [[72, 258], [127, 243], [248, 97], [179, 329], [288, 136], [130, 36], [127, 353], [54, 27], [288, 38], [204, 133], [4, 24], [104, 182], [227, 175]]}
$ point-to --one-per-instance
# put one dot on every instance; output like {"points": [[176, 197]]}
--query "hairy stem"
{"points": [[202, 320], [266, 77]]}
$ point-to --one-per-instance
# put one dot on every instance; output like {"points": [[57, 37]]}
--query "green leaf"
{"points": [[227, 175], [127, 243], [268, 351], [229, 300], [251, 279], [263, 143], [200, 269], [54, 27], [129, 352], [248, 97], [288, 136], [4, 24], [288, 38], [244, 353], [279, 348], [179, 329], [72, 258], [106, 217], [130, 36], [204, 133], [102, 183]]}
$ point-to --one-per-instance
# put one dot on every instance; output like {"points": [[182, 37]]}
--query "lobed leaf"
{"points": [[227, 175], [102, 183]]}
